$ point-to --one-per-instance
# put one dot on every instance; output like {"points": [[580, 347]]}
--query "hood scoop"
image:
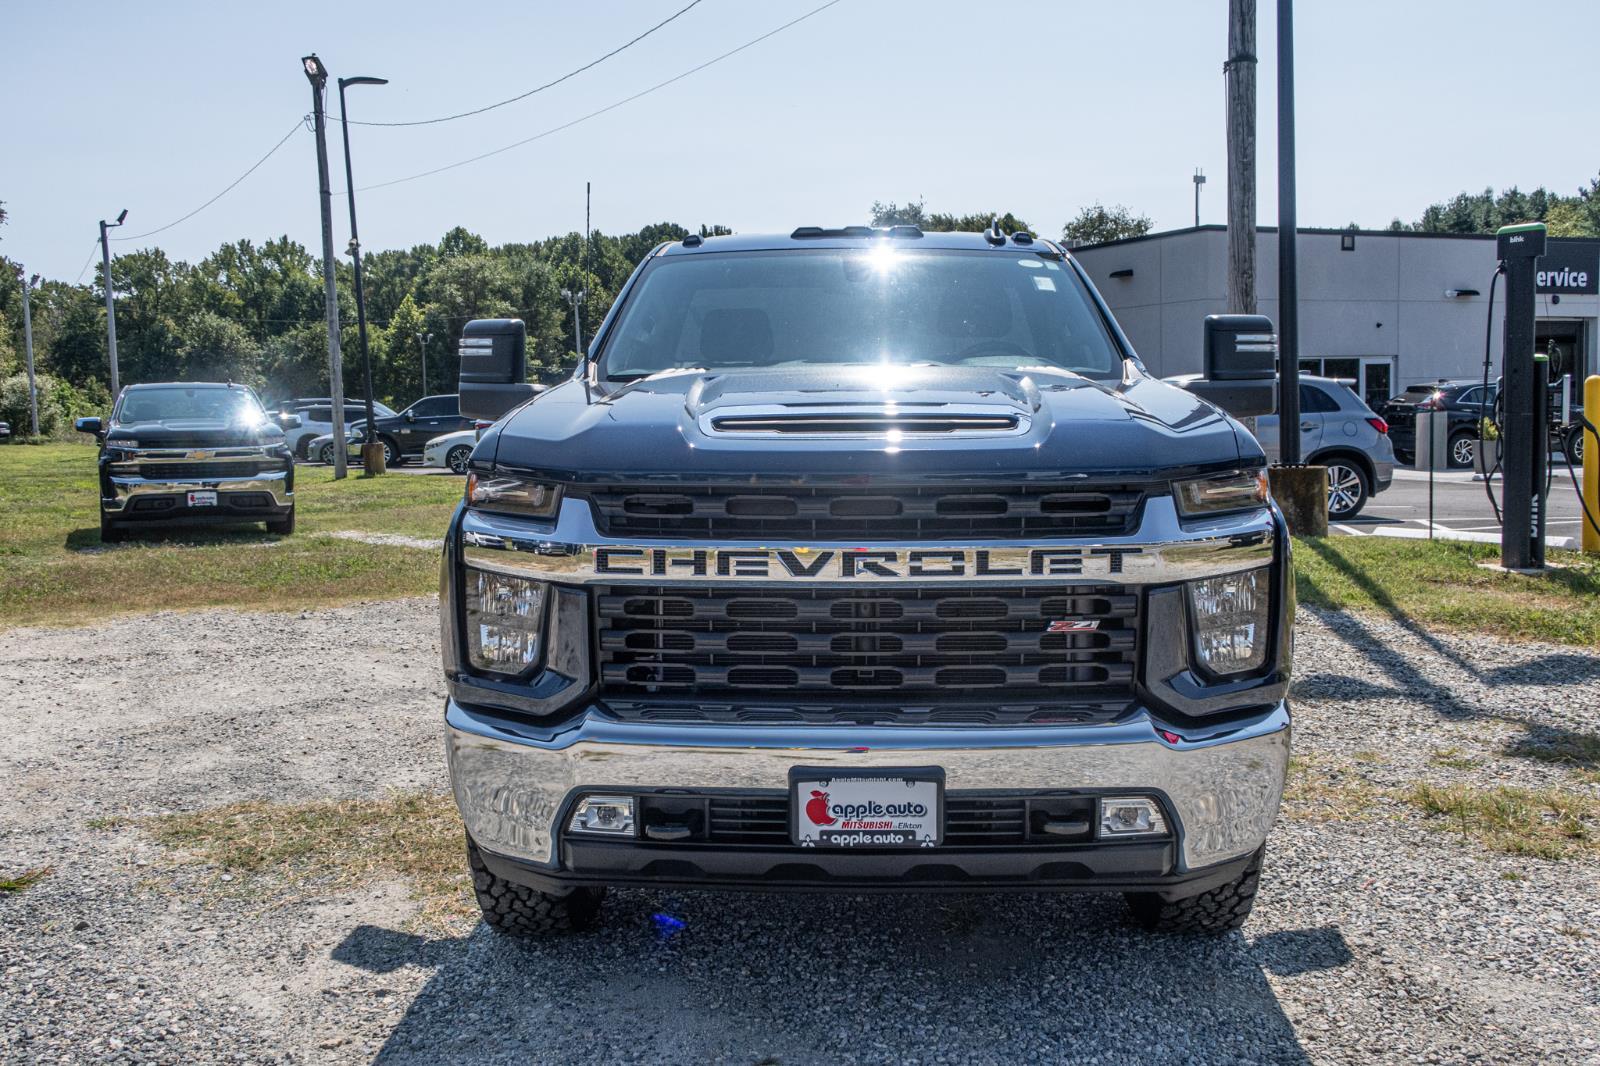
{"points": [[866, 420]]}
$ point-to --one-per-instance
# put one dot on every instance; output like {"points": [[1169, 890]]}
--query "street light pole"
{"points": [[372, 450], [318, 76], [27, 340], [422, 346], [111, 302], [1199, 180]]}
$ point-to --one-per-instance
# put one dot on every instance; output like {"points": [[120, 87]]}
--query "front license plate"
{"points": [[867, 808], [203, 498]]}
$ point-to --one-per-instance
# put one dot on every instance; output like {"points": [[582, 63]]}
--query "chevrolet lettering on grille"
{"points": [[861, 564]]}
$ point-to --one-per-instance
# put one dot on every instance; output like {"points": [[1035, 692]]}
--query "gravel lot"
{"points": [[1375, 939]]}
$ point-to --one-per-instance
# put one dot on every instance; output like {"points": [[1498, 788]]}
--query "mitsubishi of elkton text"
{"points": [[867, 559]]}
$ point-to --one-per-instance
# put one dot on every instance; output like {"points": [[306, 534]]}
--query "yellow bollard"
{"points": [[1591, 462]]}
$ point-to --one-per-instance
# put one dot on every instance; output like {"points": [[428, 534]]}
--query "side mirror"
{"points": [[89, 425], [1241, 365], [410, 417], [494, 366], [289, 421]]}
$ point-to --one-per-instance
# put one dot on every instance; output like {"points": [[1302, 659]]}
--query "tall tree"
{"points": [[1097, 224]]}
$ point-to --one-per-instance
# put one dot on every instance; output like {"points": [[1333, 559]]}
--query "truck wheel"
{"points": [[1216, 911], [282, 526], [110, 532], [522, 911], [391, 452]]}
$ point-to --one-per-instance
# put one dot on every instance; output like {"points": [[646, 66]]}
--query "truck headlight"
{"points": [[505, 619], [1231, 620], [1240, 491], [513, 495]]}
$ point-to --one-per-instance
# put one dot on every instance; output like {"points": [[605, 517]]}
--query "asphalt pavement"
{"points": [[1458, 505]]}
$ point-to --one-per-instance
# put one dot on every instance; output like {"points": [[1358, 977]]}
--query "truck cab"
{"points": [[866, 560]]}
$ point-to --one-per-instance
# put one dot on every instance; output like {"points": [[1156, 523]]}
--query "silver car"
{"points": [[1339, 431]]}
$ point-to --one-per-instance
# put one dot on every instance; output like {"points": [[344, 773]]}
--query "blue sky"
{"points": [[1034, 106]]}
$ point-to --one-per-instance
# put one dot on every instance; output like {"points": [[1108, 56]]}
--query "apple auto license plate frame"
{"points": [[203, 498], [893, 807]]}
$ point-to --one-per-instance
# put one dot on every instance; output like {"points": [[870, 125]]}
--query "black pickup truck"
{"points": [[860, 560], [186, 452]]}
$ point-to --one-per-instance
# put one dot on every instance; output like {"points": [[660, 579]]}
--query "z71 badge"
{"points": [[862, 564]]}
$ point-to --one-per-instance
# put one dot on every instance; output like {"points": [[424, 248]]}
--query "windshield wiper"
{"points": [[668, 372]]}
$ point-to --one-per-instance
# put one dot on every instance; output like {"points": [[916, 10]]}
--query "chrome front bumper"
{"points": [[125, 489], [512, 781]]}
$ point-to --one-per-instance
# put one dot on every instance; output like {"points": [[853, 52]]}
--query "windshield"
{"points": [[876, 305], [176, 403]]}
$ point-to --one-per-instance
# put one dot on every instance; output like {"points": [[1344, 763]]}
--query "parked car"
{"points": [[1337, 430], [452, 450], [406, 434], [1464, 400], [191, 452], [5, 430], [316, 419]]}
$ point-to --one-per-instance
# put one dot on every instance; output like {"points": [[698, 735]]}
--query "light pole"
{"points": [[27, 340], [575, 298], [111, 302], [317, 74], [422, 346], [1199, 180], [372, 450]]}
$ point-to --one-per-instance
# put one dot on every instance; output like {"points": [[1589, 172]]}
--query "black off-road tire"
{"points": [[518, 910], [1213, 913], [111, 532], [284, 526]]}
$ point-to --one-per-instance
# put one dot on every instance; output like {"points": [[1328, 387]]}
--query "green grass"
{"points": [[270, 847], [54, 570], [13, 883], [1546, 824], [1440, 584]]}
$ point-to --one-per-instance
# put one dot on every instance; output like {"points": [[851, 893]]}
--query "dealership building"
{"points": [[1383, 309]]}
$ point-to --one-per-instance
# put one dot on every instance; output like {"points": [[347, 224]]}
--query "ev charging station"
{"points": [[1525, 430]]}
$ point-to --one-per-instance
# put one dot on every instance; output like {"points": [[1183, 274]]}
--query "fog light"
{"points": [[1131, 816], [610, 815]]}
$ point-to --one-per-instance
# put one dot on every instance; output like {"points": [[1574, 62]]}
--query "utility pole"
{"points": [[111, 302], [422, 346], [372, 450], [27, 341], [1199, 180], [1288, 272], [318, 75], [1240, 72]]}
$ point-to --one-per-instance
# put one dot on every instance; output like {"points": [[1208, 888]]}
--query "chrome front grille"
{"points": [[884, 513], [934, 645]]}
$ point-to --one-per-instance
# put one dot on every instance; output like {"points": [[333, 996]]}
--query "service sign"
{"points": [[1569, 268], [866, 809]]}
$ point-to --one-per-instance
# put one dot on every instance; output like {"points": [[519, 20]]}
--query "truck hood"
{"points": [[812, 421], [185, 432]]}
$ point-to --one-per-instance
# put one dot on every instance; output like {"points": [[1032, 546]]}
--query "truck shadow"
{"points": [[87, 540], [811, 978]]}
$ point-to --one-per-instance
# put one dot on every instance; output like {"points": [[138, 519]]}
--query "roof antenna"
{"points": [[993, 234]]}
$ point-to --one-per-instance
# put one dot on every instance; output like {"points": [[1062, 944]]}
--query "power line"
{"points": [[549, 84], [609, 107], [220, 195], [93, 248]]}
